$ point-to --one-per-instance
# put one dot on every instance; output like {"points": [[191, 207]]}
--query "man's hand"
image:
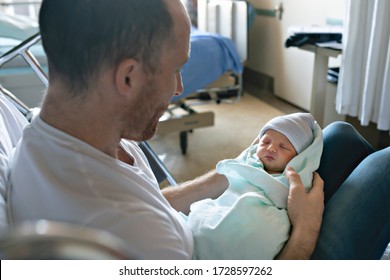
{"points": [[305, 211]]}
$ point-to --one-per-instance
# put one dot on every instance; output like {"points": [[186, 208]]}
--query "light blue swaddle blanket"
{"points": [[249, 220]]}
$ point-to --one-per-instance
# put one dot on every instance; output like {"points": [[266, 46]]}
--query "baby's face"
{"points": [[275, 151]]}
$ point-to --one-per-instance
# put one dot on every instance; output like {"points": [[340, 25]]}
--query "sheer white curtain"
{"points": [[364, 82]]}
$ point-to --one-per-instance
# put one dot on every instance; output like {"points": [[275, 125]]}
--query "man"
{"points": [[113, 69]]}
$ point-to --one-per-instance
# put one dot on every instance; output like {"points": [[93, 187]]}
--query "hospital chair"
{"points": [[49, 240]]}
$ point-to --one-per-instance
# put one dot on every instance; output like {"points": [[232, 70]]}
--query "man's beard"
{"points": [[135, 126]]}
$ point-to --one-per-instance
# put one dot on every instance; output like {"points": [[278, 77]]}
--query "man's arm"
{"points": [[210, 185], [305, 212]]}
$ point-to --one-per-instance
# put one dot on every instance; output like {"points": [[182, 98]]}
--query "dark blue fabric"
{"points": [[356, 221]]}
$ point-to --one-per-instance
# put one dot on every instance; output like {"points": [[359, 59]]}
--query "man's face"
{"points": [[159, 88]]}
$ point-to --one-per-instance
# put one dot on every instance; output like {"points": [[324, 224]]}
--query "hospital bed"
{"points": [[218, 49], [215, 66]]}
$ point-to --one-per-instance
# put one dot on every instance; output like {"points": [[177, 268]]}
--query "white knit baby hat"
{"points": [[297, 127]]}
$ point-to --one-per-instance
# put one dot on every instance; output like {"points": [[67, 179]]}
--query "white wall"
{"points": [[291, 68]]}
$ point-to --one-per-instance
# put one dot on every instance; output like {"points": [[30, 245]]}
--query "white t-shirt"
{"points": [[55, 176]]}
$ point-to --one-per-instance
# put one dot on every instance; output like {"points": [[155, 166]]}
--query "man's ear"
{"points": [[126, 75]]}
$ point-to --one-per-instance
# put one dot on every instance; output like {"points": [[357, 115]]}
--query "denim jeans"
{"points": [[356, 220]]}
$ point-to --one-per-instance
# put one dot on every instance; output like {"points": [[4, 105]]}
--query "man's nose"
{"points": [[179, 85]]}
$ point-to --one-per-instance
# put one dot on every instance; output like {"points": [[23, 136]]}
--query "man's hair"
{"points": [[81, 37]]}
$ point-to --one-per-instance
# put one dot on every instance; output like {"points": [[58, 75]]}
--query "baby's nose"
{"points": [[271, 148]]}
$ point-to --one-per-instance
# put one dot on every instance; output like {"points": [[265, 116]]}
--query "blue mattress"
{"points": [[211, 55]]}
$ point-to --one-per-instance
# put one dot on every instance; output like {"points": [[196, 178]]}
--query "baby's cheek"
{"points": [[259, 152]]}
